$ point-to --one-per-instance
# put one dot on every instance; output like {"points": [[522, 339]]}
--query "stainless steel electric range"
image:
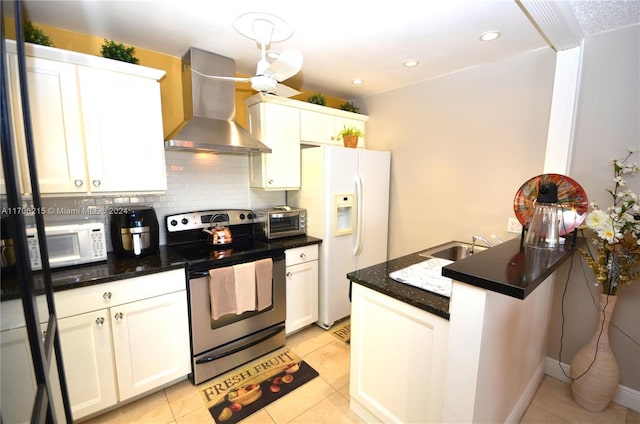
{"points": [[211, 240]]}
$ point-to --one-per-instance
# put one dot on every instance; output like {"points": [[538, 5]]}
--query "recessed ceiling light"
{"points": [[410, 63], [357, 81], [489, 35]]}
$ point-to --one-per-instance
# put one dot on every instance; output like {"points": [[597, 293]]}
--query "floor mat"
{"points": [[242, 391], [342, 330]]}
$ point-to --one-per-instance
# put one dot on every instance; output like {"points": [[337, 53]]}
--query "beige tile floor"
{"points": [[325, 399]]}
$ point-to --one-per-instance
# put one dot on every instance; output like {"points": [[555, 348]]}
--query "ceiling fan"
{"points": [[262, 28]]}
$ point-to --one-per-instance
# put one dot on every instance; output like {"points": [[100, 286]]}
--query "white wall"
{"points": [[607, 125], [461, 146]]}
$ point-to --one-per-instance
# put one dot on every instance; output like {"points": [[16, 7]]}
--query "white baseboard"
{"points": [[624, 396], [527, 396]]}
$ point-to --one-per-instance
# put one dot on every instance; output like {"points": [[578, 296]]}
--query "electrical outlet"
{"points": [[513, 226]]}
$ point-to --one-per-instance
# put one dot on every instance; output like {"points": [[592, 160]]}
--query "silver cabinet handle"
{"points": [[100, 321], [118, 316], [78, 183], [96, 183], [302, 255], [289, 274], [270, 181], [106, 295]]}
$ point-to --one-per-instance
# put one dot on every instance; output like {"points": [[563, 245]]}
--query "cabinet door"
{"points": [[88, 362], [411, 345], [123, 131], [18, 378], [316, 127], [302, 295], [279, 128], [151, 343], [56, 125]]}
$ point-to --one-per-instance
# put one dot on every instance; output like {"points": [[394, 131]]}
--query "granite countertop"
{"points": [[376, 277], [503, 269], [113, 269], [296, 241], [117, 268]]}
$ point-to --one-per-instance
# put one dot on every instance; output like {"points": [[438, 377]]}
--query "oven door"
{"points": [[232, 340]]}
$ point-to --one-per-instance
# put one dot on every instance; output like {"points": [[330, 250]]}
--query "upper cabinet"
{"points": [[278, 127], [97, 123], [284, 125], [323, 128]]}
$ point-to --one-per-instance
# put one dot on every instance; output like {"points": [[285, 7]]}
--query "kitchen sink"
{"points": [[452, 251]]}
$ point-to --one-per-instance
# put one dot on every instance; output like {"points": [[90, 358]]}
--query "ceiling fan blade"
{"points": [[286, 91], [288, 64], [236, 79]]}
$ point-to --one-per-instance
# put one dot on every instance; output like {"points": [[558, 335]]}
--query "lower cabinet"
{"points": [[302, 287], [139, 342], [398, 358]]}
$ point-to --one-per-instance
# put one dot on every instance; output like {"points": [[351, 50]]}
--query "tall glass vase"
{"points": [[594, 390]]}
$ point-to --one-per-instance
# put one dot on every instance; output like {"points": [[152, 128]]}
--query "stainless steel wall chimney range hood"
{"points": [[212, 106]]}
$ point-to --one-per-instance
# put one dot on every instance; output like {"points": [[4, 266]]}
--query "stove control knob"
{"points": [[242, 216], [250, 216], [173, 223], [184, 221]]}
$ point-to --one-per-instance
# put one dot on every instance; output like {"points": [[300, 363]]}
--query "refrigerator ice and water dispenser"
{"points": [[343, 214]]}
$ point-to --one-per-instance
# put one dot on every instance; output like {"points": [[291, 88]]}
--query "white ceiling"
{"points": [[340, 39]]}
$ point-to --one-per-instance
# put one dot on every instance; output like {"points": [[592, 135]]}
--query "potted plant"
{"points": [[317, 99], [112, 50], [350, 107], [350, 136], [35, 35]]}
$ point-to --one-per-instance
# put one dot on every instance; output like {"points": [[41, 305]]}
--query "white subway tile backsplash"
{"points": [[194, 182]]}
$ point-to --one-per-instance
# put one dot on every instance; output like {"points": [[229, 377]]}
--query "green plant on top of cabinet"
{"points": [[278, 127], [93, 120]]}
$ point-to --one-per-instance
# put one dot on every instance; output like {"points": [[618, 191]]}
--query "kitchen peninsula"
{"points": [[476, 357]]}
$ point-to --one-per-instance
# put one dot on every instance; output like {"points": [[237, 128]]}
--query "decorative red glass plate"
{"points": [[572, 201]]}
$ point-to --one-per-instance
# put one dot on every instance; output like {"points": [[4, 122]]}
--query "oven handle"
{"points": [[272, 333], [198, 274]]}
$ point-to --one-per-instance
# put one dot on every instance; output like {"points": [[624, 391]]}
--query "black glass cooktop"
{"points": [[201, 255]]}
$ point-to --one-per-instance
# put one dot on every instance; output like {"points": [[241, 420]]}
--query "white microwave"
{"points": [[68, 245]]}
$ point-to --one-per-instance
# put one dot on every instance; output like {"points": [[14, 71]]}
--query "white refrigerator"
{"points": [[346, 194]]}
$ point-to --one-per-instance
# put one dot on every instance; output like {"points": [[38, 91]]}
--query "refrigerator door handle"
{"points": [[359, 197]]}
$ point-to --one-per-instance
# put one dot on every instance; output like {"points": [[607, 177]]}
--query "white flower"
{"points": [[598, 219], [619, 181]]}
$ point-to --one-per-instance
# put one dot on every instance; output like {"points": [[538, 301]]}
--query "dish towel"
{"points": [[264, 282], [222, 292], [245, 278]]}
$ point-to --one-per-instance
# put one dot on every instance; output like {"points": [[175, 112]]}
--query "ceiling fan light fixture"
{"points": [[489, 35], [280, 29], [410, 63]]}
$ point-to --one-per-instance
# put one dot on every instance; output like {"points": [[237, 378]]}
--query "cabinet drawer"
{"points": [[99, 296], [301, 254]]}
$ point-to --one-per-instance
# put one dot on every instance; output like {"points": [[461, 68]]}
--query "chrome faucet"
{"points": [[482, 239]]}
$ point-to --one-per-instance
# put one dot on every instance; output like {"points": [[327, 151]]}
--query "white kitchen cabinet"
{"points": [[302, 287], [278, 127], [123, 338], [87, 352], [398, 360], [56, 124], [323, 127], [97, 123], [124, 139], [18, 382]]}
